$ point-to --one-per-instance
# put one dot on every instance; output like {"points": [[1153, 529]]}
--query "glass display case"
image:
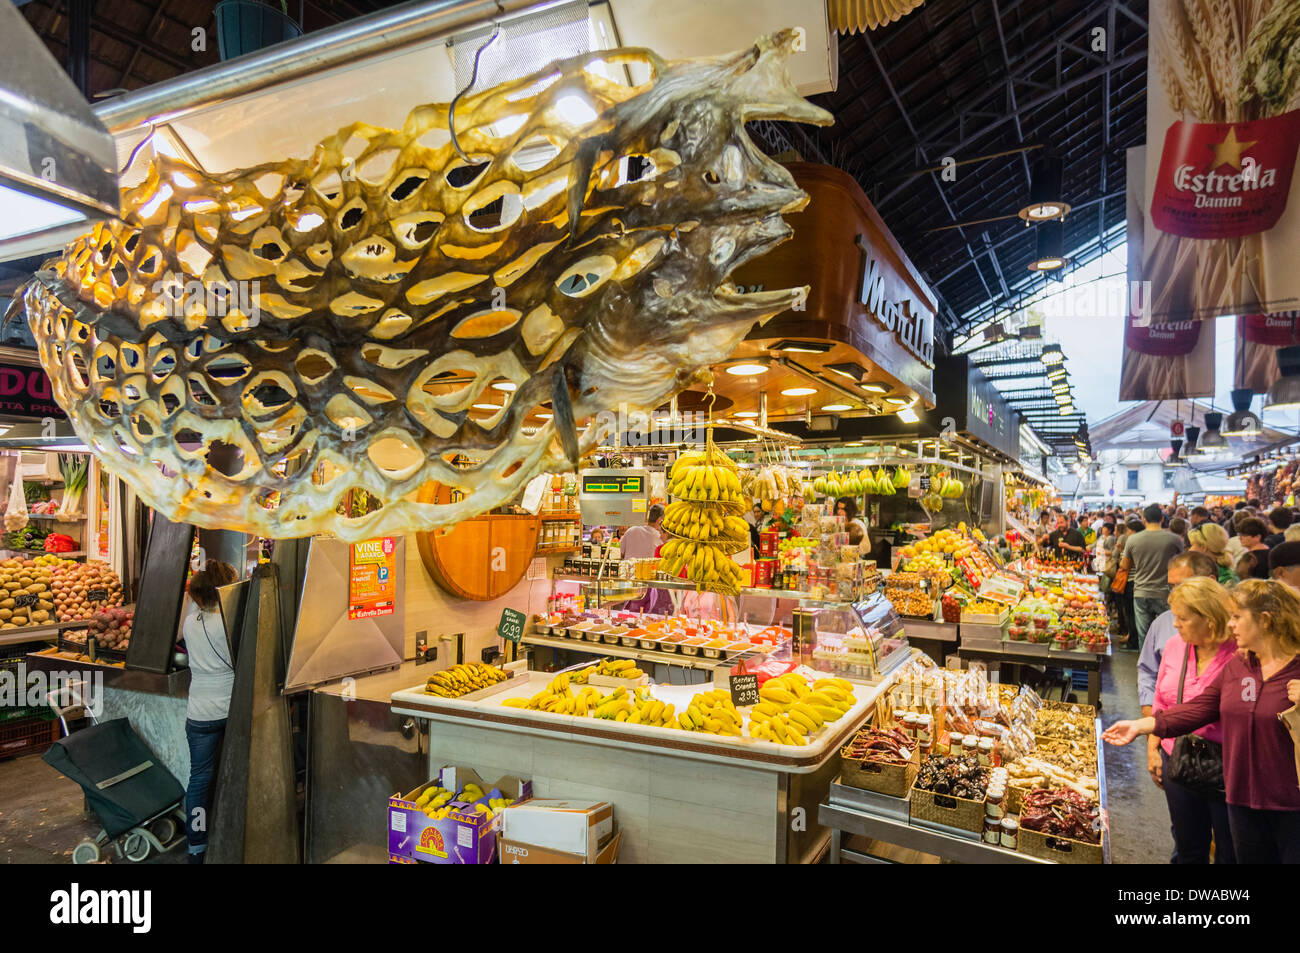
{"points": [[863, 641]]}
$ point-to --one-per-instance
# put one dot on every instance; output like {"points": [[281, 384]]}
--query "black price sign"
{"points": [[511, 626], [24, 599], [97, 595], [925, 482], [744, 690]]}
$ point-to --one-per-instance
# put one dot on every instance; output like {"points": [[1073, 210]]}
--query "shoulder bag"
{"points": [[1196, 764]]}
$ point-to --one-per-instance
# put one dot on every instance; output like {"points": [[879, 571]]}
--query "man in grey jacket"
{"points": [[1147, 556]]}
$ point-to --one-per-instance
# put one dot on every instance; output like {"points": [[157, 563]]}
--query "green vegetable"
{"points": [[74, 467]]}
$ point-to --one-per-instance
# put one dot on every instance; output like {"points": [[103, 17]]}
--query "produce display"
{"points": [[371, 269], [111, 628], [881, 745], [463, 679], [903, 589], [75, 468], [1029, 773], [882, 482], [789, 711], [27, 596], [1065, 724], [30, 537], [1062, 813], [81, 589], [956, 777], [437, 802], [705, 520]]}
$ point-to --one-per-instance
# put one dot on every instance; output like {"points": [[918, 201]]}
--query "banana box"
{"points": [[463, 833]]}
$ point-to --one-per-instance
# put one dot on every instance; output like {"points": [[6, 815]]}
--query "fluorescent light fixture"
{"points": [[837, 407], [874, 388], [1067, 409], [908, 416], [898, 401], [854, 372], [746, 370], [1052, 354], [1057, 372], [802, 347], [798, 391]]}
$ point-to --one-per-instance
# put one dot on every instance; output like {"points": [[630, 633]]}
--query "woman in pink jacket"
{"points": [[1191, 661]]}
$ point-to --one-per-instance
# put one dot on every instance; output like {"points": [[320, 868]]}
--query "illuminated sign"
{"points": [[608, 483]]}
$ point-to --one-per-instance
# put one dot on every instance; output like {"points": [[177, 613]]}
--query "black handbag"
{"points": [[1196, 764]]}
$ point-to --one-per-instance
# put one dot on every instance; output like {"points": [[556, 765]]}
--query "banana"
{"points": [[778, 695], [516, 703], [827, 714], [807, 722]]}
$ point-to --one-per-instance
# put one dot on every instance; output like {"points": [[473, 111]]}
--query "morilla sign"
{"points": [[25, 392]]}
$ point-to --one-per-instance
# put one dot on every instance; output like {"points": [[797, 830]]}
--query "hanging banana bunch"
{"points": [[705, 520]]}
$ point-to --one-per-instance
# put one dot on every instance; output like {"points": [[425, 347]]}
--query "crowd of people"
{"points": [[1210, 599]]}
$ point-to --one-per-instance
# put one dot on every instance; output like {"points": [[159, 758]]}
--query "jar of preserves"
{"points": [[986, 752], [995, 802], [992, 830], [970, 744], [1010, 828], [924, 730], [955, 743], [911, 724]]}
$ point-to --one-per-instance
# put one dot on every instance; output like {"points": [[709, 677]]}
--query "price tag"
{"points": [[744, 690], [25, 599], [511, 626], [97, 595]]}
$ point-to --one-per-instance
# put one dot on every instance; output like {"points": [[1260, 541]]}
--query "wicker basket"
{"points": [[946, 810], [892, 779], [1062, 850]]}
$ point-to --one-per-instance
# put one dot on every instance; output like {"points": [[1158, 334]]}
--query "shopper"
{"points": [[1212, 540], [1253, 688], [1147, 557], [1068, 541], [1284, 563], [1182, 567], [641, 542], [212, 677], [848, 508], [1101, 553], [1199, 515], [1193, 658], [1279, 518], [1252, 531], [597, 536]]}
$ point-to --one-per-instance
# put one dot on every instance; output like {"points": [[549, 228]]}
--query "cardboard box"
{"points": [[463, 836], [512, 853], [563, 826]]}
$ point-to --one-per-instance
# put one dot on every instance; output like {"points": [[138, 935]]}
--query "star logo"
{"points": [[1228, 152]]}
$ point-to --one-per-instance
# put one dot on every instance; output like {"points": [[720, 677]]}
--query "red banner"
{"points": [[1258, 338]]}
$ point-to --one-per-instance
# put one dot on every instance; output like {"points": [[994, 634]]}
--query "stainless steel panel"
{"points": [[327, 645]]}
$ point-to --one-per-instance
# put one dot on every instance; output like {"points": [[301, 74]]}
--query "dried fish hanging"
{"points": [[247, 348]]}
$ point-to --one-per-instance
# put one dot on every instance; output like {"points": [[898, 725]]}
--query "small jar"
{"points": [[954, 744], [1010, 828], [986, 752], [899, 715], [992, 831], [924, 730], [911, 724], [995, 802]]}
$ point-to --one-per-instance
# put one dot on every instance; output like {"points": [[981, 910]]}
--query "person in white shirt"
{"points": [[212, 677], [641, 542]]}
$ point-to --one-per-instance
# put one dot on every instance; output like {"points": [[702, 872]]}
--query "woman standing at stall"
{"points": [[212, 677], [1259, 767], [1191, 661], [848, 508]]}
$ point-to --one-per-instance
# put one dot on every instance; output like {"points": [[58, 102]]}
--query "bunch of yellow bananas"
{"points": [[618, 668], [706, 476], [435, 801], [702, 522], [712, 712], [704, 563], [789, 711], [462, 679]]}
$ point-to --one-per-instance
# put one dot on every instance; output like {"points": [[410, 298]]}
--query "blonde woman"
{"points": [[1192, 660], [1253, 688], [1212, 539]]}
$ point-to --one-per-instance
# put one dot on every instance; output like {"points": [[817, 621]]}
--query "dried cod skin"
{"points": [[368, 311]]}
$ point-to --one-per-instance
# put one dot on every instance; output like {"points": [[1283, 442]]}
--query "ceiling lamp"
{"points": [[1057, 372], [1212, 441], [1050, 249], [1052, 355], [854, 372], [746, 370], [898, 401], [1192, 434], [58, 164], [1045, 191], [1067, 409], [908, 416], [802, 347], [798, 391], [874, 388], [1285, 393], [1241, 422], [837, 407], [852, 16]]}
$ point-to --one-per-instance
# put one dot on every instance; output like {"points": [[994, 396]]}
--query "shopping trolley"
{"points": [[138, 801]]}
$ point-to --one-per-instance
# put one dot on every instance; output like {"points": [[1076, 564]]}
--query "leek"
{"points": [[74, 467]]}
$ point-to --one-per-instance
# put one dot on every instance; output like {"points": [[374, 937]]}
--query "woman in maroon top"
{"points": [[1259, 768]]}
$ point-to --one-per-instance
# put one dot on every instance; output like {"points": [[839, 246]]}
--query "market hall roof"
{"points": [[1146, 425]]}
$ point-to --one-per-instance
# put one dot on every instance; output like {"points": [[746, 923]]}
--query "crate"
{"points": [[894, 780], [946, 810], [27, 736], [1061, 850]]}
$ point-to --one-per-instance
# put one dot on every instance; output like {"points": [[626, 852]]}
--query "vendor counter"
{"points": [[679, 797]]}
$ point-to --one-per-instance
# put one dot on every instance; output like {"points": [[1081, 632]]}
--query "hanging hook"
{"points": [[451, 110]]}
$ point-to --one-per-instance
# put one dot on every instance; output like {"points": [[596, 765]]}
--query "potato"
{"points": [[40, 615]]}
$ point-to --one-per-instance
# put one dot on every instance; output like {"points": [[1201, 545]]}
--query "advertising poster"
{"points": [[372, 578], [1222, 216], [1162, 359], [1258, 338]]}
